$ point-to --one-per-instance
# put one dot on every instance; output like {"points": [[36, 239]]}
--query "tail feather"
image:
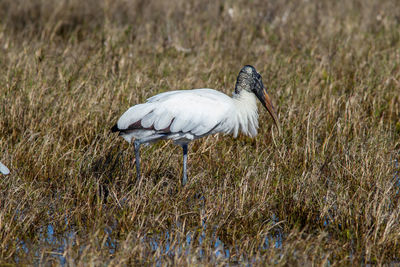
{"points": [[115, 128]]}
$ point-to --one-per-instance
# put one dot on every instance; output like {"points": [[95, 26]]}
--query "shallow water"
{"points": [[57, 244], [165, 244]]}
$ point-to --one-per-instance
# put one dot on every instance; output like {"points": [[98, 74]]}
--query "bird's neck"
{"points": [[246, 112]]}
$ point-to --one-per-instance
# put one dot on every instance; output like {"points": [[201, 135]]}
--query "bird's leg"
{"points": [[184, 178], [137, 158]]}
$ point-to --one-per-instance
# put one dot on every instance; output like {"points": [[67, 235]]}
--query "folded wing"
{"points": [[198, 111]]}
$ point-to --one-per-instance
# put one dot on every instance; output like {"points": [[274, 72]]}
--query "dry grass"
{"points": [[326, 192]]}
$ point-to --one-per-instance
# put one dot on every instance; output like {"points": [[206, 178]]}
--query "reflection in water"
{"points": [[220, 250], [276, 238], [162, 243], [166, 244]]}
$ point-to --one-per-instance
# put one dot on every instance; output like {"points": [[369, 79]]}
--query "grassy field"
{"points": [[325, 192]]}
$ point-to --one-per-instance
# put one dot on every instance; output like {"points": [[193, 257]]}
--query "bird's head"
{"points": [[250, 80]]}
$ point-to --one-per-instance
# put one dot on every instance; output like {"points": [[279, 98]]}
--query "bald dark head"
{"points": [[248, 79]]}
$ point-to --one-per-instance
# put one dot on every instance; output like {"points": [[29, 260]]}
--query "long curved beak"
{"points": [[267, 103]]}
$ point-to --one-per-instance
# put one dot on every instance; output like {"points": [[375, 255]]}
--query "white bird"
{"points": [[186, 115], [3, 169]]}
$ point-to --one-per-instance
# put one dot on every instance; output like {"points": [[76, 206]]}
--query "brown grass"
{"points": [[325, 192]]}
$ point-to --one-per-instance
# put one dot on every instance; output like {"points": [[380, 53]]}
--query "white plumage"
{"points": [[191, 114], [3, 169], [186, 115]]}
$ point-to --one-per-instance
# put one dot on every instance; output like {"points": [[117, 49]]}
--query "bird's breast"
{"points": [[246, 114]]}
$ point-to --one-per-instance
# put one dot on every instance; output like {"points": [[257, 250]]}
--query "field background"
{"points": [[325, 192]]}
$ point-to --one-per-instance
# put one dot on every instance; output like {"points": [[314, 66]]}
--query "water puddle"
{"points": [[167, 244]]}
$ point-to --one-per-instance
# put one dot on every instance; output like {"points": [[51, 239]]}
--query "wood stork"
{"points": [[3, 169], [186, 115]]}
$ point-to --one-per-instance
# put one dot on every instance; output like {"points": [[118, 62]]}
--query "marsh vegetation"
{"points": [[325, 192]]}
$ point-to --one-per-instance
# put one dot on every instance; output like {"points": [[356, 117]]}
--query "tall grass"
{"points": [[326, 191]]}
